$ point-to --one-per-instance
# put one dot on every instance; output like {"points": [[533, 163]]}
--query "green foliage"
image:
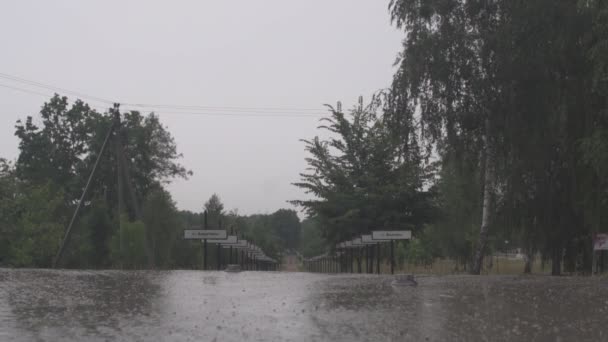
{"points": [[54, 162], [215, 211], [159, 215], [312, 242], [63, 149], [8, 208], [37, 227], [518, 87], [133, 255], [286, 225], [368, 175]]}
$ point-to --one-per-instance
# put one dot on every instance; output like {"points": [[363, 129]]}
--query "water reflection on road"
{"points": [[206, 306]]}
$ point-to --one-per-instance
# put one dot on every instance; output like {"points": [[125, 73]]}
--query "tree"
{"points": [[159, 217], [60, 154], [369, 175], [133, 255], [215, 210], [8, 208], [312, 242], [38, 227], [518, 90], [286, 224], [64, 148]]}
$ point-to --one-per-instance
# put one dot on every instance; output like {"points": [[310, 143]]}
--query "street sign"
{"points": [[227, 241], [392, 235], [367, 239], [241, 244], [600, 243], [200, 234]]}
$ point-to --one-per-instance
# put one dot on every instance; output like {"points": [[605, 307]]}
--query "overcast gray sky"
{"points": [[240, 53]]}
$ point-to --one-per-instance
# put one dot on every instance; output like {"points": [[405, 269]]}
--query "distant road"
{"points": [[290, 263]]}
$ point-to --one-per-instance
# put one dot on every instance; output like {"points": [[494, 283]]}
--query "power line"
{"points": [[54, 88], [24, 90], [199, 113], [223, 111], [172, 109], [232, 108], [243, 114]]}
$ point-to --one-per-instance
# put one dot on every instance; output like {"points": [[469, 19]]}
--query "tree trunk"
{"points": [[488, 185]]}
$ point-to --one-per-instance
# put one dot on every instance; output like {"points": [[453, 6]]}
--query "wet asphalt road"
{"points": [[47, 305]]}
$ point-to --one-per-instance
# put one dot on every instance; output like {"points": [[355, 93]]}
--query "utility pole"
{"points": [[366, 258], [122, 175], [392, 257], [68, 231], [370, 250], [378, 258], [230, 249], [134, 201]]}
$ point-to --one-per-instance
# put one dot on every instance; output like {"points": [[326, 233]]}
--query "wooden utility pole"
{"points": [[122, 175], [68, 231], [124, 167]]}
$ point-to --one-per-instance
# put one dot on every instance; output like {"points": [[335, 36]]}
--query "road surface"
{"points": [[48, 305]]}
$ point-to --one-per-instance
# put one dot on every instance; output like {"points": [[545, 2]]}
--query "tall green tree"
{"points": [[513, 84], [159, 215], [368, 175], [215, 211], [286, 223], [60, 151], [66, 144]]}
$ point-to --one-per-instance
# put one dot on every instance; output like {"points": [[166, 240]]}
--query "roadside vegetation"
{"points": [[39, 191], [491, 139], [493, 136]]}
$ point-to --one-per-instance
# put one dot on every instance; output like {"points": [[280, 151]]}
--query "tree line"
{"points": [[493, 135], [40, 190]]}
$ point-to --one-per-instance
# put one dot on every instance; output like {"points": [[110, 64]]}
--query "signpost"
{"points": [[600, 243], [378, 259], [392, 235], [368, 240], [357, 242], [205, 241], [229, 240], [200, 234]]}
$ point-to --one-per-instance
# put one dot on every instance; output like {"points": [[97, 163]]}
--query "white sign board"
{"points": [[200, 234], [241, 244], [600, 243], [392, 235], [227, 241], [367, 239]]}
